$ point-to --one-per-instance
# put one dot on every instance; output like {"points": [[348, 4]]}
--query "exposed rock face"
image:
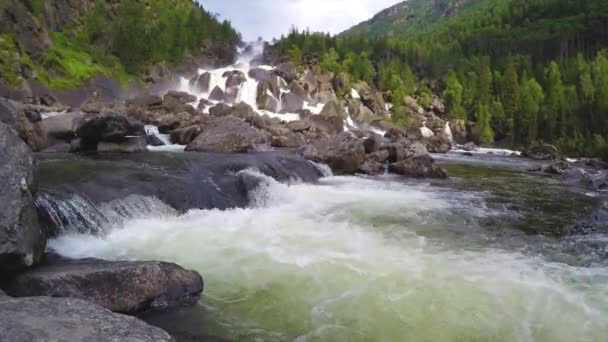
{"points": [[260, 74], [64, 319], [22, 240], [359, 112], [341, 82], [228, 135], [439, 144], [181, 97], [145, 100], [459, 131], [344, 153], [235, 78], [330, 125], [120, 286], [109, 127], [334, 108]]}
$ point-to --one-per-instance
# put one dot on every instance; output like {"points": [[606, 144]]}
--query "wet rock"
{"points": [[128, 145], [417, 164], [557, 168], [372, 143], [109, 127], [459, 131], [268, 102], [153, 140], [201, 82], [372, 168], [291, 103], [228, 135], [288, 140], [260, 74], [325, 96], [334, 108], [217, 94], [219, 110], [541, 152], [344, 153], [22, 240], [64, 319], [396, 152], [439, 144], [32, 114], [286, 71], [470, 147], [232, 94], [63, 126], [119, 286], [298, 89], [186, 135], [235, 79], [181, 97], [359, 112], [396, 133]]}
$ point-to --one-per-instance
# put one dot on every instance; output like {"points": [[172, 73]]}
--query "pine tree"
{"points": [[511, 101], [453, 96], [553, 114]]}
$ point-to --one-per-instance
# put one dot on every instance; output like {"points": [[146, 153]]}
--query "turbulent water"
{"points": [[376, 259]]}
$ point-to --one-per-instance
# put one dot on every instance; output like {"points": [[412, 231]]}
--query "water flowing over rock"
{"points": [[109, 127], [542, 152], [22, 240], [370, 98], [286, 71], [119, 286], [217, 94], [181, 97], [63, 319], [201, 82]]}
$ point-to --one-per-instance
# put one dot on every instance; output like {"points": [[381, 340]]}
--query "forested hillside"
{"points": [[63, 43], [518, 71]]}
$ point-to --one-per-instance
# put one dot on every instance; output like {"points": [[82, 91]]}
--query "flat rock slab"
{"points": [[74, 320], [120, 286]]}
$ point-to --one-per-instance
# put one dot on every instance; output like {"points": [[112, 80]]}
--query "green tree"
{"points": [[330, 62], [553, 113], [511, 94], [453, 96], [483, 128], [532, 98]]}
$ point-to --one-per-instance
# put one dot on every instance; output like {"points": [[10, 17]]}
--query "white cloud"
{"points": [[271, 18]]}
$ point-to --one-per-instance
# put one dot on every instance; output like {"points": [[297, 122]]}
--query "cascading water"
{"points": [[368, 259]]}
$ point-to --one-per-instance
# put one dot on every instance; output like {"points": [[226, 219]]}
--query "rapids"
{"points": [[381, 259]]}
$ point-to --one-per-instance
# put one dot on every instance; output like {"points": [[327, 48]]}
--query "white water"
{"points": [[358, 259], [167, 147]]}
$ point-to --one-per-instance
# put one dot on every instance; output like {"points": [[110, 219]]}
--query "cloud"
{"points": [[271, 18]]}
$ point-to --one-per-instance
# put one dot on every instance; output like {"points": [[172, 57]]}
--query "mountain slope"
{"points": [[63, 43]]}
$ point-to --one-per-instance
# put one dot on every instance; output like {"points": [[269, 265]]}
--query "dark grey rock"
{"points": [[22, 240], [75, 320], [344, 153], [228, 135]]}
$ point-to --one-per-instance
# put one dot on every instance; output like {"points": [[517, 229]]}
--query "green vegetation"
{"points": [[522, 71], [120, 40]]}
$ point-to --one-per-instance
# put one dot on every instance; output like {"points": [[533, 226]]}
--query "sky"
{"points": [[271, 18]]}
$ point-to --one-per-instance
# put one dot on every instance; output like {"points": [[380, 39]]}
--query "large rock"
{"points": [[341, 83], [370, 98], [439, 144], [109, 127], [359, 112], [22, 240], [145, 101], [330, 125], [459, 131], [181, 97], [344, 153], [120, 286], [334, 108], [184, 136], [217, 94], [201, 82], [235, 79], [260, 74], [291, 103], [286, 71], [65, 319], [417, 163], [228, 135], [542, 152]]}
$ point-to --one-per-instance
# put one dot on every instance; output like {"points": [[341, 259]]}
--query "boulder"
{"points": [[344, 153], [181, 97], [413, 105], [154, 140], [359, 112], [341, 83], [32, 114], [439, 144], [334, 108], [298, 89], [120, 286], [128, 145], [217, 94], [202, 82], [325, 96], [375, 163], [228, 135], [22, 240], [437, 106], [109, 127], [291, 103], [184, 136], [145, 101], [417, 164], [8, 112], [299, 126], [470, 147], [63, 126], [330, 125], [396, 152], [266, 100], [541, 152], [221, 109], [372, 143], [459, 131], [557, 168], [65, 319], [309, 82], [235, 79], [260, 74], [232, 94], [370, 98], [286, 71], [288, 140]]}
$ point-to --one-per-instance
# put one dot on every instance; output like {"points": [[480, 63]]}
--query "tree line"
{"points": [[519, 73]]}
